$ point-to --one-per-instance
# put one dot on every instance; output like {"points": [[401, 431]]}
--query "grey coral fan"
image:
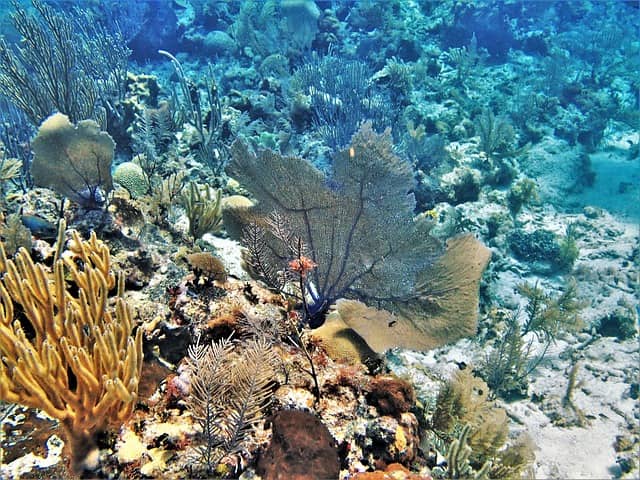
{"points": [[359, 231], [73, 160], [357, 225]]}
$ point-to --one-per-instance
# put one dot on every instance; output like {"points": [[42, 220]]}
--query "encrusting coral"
{"points": [[301, 448], [69, 354], [207, 265]]}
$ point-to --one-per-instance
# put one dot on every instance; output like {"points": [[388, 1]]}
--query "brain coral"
{"points": [[131, 176]]}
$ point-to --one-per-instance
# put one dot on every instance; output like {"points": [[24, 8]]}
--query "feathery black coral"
{"points": [[230, 388]]}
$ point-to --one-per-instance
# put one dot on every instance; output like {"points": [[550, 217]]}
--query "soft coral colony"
{"points": [[228, 371], [69, 353], [358, 230]]}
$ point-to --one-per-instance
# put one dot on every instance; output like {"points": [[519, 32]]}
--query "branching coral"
{"points": [[203, 207], [229, 392], [67, 351], [71, 64], [204, 113], [340, 96], [507, 366], [478, 431]]}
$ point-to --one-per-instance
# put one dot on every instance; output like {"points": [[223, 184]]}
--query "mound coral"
{"points": [[131, 177]]}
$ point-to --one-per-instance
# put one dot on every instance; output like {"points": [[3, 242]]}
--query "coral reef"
{"points": [[329, 310]]}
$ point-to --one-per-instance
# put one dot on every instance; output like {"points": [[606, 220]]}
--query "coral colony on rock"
{"points": [[330, 239]]}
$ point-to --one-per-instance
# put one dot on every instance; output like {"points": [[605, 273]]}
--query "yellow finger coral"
{"points": [[68, 351]]}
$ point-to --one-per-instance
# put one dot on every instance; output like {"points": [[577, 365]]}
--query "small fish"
{"points": [[40, 227]]}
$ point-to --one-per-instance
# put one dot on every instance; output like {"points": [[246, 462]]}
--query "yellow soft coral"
{"points": [[68, 352]]}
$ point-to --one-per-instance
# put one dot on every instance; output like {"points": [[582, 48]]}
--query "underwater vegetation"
{"points": [[511, 360], [316, 239], [479, 428], [68, 64]]}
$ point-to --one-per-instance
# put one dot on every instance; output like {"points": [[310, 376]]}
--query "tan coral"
{"points": [[342, 343], [71, 356], [73, 160], [443, 308], [208, 265]]}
